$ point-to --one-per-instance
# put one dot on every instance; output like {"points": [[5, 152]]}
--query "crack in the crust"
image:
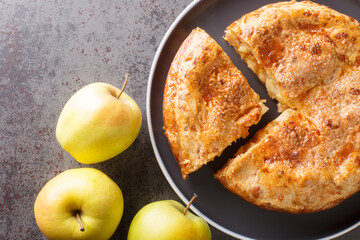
{"points": [[253, 64]]}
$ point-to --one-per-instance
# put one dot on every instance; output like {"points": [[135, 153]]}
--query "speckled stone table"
{"points": [[48, 50]]}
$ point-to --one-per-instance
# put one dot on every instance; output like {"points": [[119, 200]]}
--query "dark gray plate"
{"points": [[218, 206]]}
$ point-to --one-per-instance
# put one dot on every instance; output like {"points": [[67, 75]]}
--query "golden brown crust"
{"points": [[293, 168], [208, 103], [298, 44], [308, 159]]}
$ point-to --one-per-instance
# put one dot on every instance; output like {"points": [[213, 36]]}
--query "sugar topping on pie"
{"points": [[208, 103], [308, 159]]}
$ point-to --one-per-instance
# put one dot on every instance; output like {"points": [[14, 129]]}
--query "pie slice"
{"points": [[207, 103], [295, 46], [290, 167], [308, 159]]}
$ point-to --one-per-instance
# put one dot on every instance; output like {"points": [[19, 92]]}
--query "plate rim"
{"points": [[159, 160]]}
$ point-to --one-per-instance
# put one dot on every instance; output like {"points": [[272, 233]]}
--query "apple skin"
{"points": [[164, 220], [95, 125], [88, 191]]}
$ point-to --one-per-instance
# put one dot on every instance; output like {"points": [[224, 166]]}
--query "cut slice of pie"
{"points": [[208, 103], [290, 167], [308, 159], [295, 46]]}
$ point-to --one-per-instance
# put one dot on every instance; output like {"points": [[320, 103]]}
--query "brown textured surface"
{"points": [[48, 50], [300, 45], [290, 167], [308, 159], [208, 103]]}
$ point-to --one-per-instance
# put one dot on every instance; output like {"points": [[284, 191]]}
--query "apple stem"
{"points": [[123, 88], [82, 228], [191, 201]]}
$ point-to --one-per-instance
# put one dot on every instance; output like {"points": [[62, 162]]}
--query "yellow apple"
{"points": [[164, 220], [82, 203], [96, 124]]}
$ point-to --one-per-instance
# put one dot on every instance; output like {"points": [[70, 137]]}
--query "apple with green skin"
{"points": [[81, 203], [168, 220], [98, 122]]}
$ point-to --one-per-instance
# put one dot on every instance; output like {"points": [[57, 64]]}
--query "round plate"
{"points": [[222, 209]]}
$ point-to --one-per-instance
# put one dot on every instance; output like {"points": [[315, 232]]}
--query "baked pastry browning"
{"points": [[207, 103], [308, 159], [290, 167], [295, 46]]}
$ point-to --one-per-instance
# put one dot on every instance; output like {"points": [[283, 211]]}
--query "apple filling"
{"points": [[248, 57]]}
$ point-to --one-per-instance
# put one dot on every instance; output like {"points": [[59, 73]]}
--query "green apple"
{"points": [[165, 220], [98, 122], [82, 203]]}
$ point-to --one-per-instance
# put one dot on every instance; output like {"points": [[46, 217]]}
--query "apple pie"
{"points": [[308, 57], [207, 104]]}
